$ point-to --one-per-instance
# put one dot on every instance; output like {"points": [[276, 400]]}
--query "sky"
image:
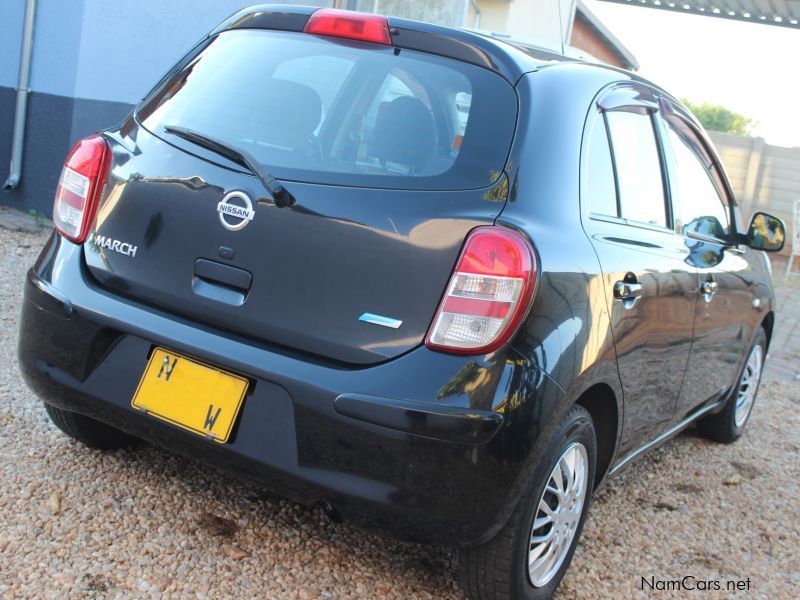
{"points": [[751, 69]]}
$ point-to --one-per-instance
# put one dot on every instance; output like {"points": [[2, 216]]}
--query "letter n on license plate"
{"points": [[191, 395]]}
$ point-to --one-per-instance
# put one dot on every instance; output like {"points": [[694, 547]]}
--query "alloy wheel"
{"points": [[558, 515], [748, 385]]}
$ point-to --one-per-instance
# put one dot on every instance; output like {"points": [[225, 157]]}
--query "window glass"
{"points": [[327, 111], [701, 208], [324, 74], [641, 190], [600, 188], [395, 91], [463, 101]]}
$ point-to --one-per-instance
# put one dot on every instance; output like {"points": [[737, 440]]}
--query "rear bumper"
{"points": [[440, 465]]}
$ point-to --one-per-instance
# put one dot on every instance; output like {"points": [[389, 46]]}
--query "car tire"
{"points": [[88, 431], [728, 425], [498, 569]]}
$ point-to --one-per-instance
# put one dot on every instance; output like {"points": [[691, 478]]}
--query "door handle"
{"points": [[709, 289], [221, 282], [225, 274], [628, 292]]}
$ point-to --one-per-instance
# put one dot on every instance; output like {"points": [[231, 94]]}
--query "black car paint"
{"points": [[308, 428], [602, 352], [328, 242], [290, 436]]}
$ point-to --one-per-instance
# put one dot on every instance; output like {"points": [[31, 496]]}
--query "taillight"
{"points": [[349, 24], [79, 187], [489, 293]]}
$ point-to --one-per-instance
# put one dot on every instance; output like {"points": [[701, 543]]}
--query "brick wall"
{"points": [[585, 37]]}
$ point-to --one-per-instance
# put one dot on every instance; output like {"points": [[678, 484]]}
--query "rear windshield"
{"points": [[335, 111]]}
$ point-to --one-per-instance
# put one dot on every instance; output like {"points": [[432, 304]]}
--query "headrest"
{"points": [[288, 111], [404, 133]]}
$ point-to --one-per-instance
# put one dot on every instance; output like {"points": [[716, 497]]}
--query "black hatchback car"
{"points": [[439, 283]]}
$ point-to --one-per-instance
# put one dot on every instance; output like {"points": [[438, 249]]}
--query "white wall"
{"points": [[127, 45], [57, 31], [442, 12], [545, 21], [108, 49]]}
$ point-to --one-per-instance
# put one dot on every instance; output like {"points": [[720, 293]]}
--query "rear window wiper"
{"points": [[280, 194]]}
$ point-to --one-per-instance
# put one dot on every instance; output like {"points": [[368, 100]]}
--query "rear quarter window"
{"points": [[327, 110], [599, 171], [638, 167]]}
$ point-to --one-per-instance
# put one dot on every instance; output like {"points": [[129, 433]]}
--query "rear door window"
{"points": [[638, 167], [336, 111]]}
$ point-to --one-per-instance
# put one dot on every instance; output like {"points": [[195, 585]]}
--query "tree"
{"points": [[716, 117]]}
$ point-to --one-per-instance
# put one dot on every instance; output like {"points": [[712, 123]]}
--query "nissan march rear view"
{"points": [[441, 284]]}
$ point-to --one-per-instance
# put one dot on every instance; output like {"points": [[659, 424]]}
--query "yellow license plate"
{"points": [[191, 395]]}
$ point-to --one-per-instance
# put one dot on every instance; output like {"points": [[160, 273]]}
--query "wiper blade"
{"points": [[280, 194]]}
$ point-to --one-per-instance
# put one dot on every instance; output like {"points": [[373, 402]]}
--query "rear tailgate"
{"points": [[316, 267], [392, 158]]}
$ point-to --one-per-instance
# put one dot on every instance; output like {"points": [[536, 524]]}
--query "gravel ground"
{"points": [[142, 523]]}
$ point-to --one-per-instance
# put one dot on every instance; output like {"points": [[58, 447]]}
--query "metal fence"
{"points": [[763, 177]]}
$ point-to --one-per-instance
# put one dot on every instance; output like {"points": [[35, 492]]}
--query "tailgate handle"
{"points": [[214, 272]]}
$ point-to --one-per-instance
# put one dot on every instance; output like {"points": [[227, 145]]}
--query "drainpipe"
{"points": [[23, 89]]}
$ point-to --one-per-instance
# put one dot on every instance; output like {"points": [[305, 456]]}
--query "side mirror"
{"points": [[766, 233]]}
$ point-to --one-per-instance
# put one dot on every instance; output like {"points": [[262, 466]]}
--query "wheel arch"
{"points": [[768, 323], [601, 402]]}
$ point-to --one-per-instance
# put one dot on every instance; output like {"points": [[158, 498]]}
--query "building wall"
{"points": [[586, 38], [493, 17], [545, 21], [92, 61], [763, 177], [442, 12]]}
